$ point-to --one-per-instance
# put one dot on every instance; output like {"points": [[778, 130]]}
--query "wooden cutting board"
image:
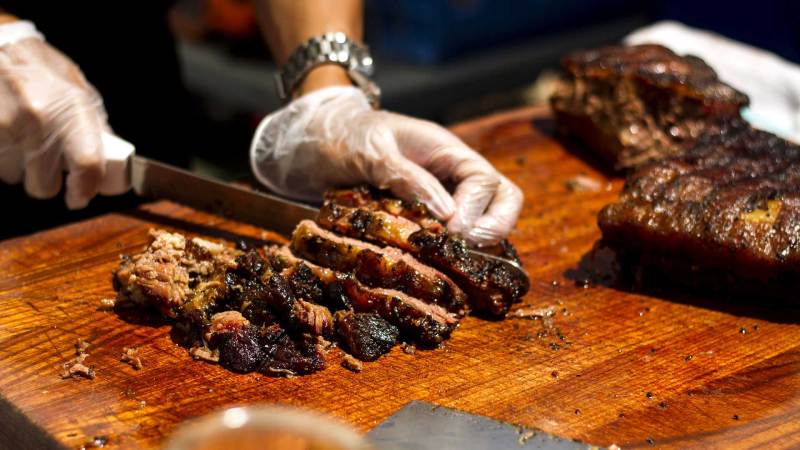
{"points": [[613, 367]]}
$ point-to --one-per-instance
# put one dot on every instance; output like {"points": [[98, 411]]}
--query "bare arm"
{"points": [[6, 17], [286, 24]]}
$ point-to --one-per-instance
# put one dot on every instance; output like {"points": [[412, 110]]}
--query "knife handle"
{"points": [[118, 151]]}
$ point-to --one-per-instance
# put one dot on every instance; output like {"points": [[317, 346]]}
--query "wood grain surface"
{"points": [[611, 366]]}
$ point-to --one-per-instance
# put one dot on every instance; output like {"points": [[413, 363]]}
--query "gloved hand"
{"points": [[772, 83], [332, 137], [51, 119]]}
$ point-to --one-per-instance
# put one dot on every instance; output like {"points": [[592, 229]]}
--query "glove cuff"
{"points": [[17, 31]]}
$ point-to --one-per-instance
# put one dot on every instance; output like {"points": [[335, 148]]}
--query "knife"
{"points": [[157, 180], [425, 426]]}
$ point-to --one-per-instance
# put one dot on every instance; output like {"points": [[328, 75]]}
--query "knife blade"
{"points": [[153, 179], [425, 426], [158, 180]]}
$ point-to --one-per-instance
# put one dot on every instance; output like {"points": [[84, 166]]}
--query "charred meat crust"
{"points": [[374, 266], [640, 103], [248, 312], [424, 323], [366, 335], [730, 203], [489, 287]]}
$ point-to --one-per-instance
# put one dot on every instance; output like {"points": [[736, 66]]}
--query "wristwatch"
{"points": [[329, 48]]}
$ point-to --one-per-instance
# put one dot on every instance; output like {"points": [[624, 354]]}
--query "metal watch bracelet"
{"points": [[329, 48]]}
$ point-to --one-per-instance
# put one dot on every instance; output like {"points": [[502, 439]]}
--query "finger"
{"points": [[85, 163], [388, 168], [500, 217], [11, 164], [475, 190], [75, 129], [448, 158], [43, 169]]}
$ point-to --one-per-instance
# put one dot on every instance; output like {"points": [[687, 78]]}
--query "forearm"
{"points": [[286, 24], [6, 17]]}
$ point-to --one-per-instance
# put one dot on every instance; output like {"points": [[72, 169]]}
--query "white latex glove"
{"points": [[332, 137], [772, 83], [51, 119]]}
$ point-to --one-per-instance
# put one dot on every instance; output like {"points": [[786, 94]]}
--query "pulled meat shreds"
{"points": [[130, 356], [107, 304], [174, 270], [204, 353], [351, 363], [75, 367]]}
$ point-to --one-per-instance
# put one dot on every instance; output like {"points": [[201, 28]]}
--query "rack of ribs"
{"points": [[640, 103], [277, 310]]}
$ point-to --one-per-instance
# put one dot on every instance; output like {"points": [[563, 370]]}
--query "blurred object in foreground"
{"points": [[231, 20], [265, 427]]}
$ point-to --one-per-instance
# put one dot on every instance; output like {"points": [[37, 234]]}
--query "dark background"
{"points": [[187, 81]]}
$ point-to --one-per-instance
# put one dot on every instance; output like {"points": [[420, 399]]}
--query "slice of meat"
{"points": [[173, 270], [237, 341], [376, 200], [385, 267], [489, 287], [318, 284], [725, 214], [639, 103], [425, 323], [365, 335], [373, 199]]}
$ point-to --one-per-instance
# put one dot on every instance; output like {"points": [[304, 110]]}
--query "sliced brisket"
{"points": [[489, 287], [425, 323], [385, 267]]}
